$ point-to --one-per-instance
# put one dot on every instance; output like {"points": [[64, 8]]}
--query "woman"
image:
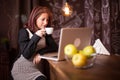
{"points": [[33, 42]]}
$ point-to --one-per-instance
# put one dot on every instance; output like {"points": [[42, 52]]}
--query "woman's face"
{"points": [[42, 20]]}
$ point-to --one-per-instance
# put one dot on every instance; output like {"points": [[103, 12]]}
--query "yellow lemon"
{"points": [[88, 50], [79, 60], [70, 50]]}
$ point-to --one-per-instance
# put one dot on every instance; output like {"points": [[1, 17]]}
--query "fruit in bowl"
{"points": [[70, 50], [79, 60], [88, 50]]}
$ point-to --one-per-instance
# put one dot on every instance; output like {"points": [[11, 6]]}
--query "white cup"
{"points": [[49, 30]]}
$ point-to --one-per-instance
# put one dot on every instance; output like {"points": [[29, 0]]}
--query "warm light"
{"points": [[67, 10]]}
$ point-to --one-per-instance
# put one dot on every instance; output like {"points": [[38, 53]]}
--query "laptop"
{"points": [[80, 37]]}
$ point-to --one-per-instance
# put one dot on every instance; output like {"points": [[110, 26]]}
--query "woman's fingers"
{"points": [[41, 32], [36, 59]]}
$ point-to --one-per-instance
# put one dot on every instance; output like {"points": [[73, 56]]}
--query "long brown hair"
{"points": [[36, 12]]}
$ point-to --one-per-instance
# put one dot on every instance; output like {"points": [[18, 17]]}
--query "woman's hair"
{"points": [[36, 12]]}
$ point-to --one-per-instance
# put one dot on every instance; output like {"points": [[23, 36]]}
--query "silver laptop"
{"points": [[80, 37]]}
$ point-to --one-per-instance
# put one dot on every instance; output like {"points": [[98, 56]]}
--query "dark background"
{"points": [[102, 15]]}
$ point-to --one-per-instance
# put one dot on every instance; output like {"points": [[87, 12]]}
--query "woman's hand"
{"points": [[36, 59], [41, 32]]}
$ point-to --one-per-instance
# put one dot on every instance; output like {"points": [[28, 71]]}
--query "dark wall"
{"points": [[5, 12], [9, 14]]}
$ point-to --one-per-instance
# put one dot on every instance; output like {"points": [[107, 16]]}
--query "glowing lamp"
{"points": [[67, 9]]}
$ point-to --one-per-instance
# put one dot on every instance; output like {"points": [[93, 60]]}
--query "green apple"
{"points": [[70, 50], [79, 60], [88, 50]]}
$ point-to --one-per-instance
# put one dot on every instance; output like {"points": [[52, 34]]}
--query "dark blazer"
{"points": [[28, 46]]}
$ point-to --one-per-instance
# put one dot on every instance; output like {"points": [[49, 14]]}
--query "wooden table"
{"points": [[105, 68]]}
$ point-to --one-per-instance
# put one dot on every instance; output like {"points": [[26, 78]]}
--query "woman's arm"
{"points": [[27, 46], [51, 45]]}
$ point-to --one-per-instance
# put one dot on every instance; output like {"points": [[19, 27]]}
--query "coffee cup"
{"points": [[49, 30]]}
